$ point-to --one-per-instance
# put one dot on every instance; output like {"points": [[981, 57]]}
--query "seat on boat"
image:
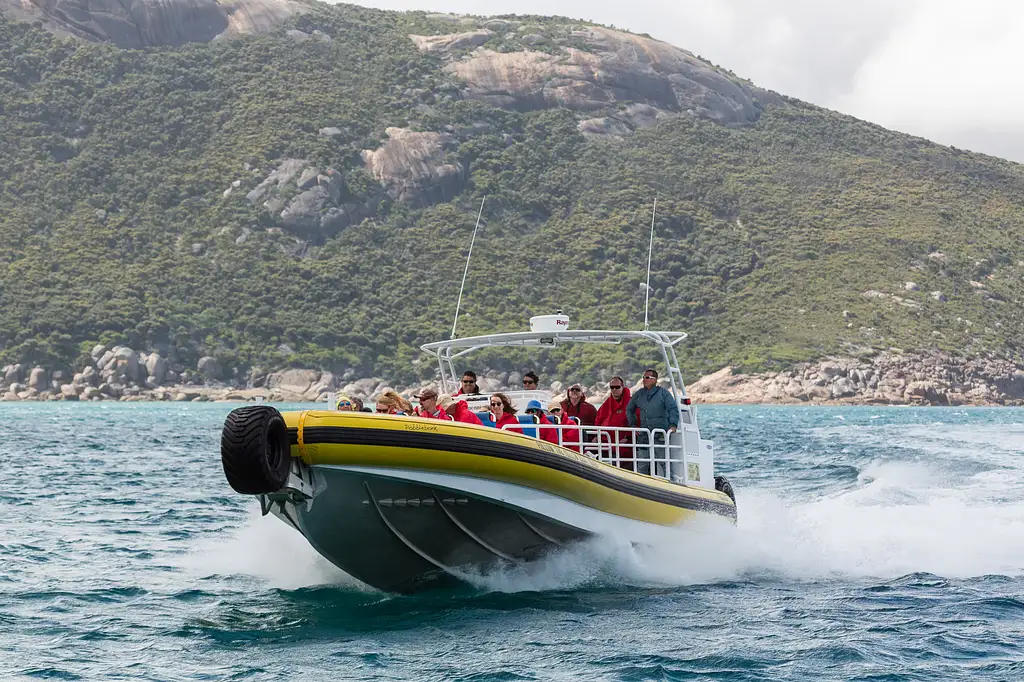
{"points": [[485, 417]]}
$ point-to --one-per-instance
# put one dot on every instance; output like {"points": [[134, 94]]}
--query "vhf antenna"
{"points": [[466, 271], [650, 254]]}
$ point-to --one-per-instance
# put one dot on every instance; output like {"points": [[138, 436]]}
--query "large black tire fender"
{"points": [[722, 485], [254, 450]]}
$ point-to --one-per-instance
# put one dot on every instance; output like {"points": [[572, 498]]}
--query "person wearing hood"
{"points": [[458, 410], [612, 413], [536, 409]]}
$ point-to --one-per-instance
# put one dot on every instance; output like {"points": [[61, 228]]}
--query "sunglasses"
{"points": [[615, 388], [576, 390], [498, 404], [344, 404], [529, 382], [468, 381], [647, 377], [556, 410]]}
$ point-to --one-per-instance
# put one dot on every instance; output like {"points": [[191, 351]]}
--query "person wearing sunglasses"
{"points": [[550, 434], [392, 403], [468, 384], [428, 408], [344, 404], [613, 413], [570, 436], [652, 407], [503, 411], [576, 405], [530, 381]]}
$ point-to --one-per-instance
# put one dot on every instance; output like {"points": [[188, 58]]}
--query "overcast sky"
{"points": [[948, 70]]}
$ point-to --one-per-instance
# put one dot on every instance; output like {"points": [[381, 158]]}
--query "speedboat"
{"points": [[405, 503]]}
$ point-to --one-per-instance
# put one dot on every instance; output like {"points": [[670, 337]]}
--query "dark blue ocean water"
{"points": [[878, 544]]}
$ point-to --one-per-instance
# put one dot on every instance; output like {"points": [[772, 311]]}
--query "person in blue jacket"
{"points": [[657, 410]]}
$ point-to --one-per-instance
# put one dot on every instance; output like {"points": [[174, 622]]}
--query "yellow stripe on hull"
{"points": [[576, 487]]}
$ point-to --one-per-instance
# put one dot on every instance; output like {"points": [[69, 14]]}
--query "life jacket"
{"points": [[613, 412]]}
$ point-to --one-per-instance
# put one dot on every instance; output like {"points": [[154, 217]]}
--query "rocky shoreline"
{"points": [[890, 378]]}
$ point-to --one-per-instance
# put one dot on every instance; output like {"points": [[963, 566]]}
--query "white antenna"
{"points": [[650, 254], [466, 271]]}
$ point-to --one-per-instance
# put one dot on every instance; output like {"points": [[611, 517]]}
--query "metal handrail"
{"points": [[672, 455]]}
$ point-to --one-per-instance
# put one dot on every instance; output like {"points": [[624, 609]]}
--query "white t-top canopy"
{"points": [[447, 351]]}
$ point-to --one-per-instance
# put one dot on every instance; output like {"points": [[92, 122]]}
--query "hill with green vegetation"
{"points": [[306, 197]]}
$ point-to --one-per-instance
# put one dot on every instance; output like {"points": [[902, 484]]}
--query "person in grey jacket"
{"points": [[658, 410]]}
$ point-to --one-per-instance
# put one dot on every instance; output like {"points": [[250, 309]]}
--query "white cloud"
{"points": [[949, 70]]}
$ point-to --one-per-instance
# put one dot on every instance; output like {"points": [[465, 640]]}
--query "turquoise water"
{"points": [[873, 544]]}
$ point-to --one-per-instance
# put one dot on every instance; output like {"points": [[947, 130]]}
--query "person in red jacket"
{"points": [[459, 410], [468, 384], [428, 407], [570, 436], [576, 405], [503, 412], [613, 413], [536, 409]]}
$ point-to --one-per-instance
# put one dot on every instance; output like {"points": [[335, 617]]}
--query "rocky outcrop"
{"points": [[453, 42], [148, 23], [599, 68], [307, 201], [889, 378], [413, 168]]}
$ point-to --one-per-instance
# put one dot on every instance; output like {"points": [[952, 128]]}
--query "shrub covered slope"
{"points": [[780, 240]]}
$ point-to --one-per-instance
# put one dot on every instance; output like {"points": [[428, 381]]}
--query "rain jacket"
{"points": [[613, 413], [584, 411], [550, 435], [460, 412], [657, 409], [507, 418], [439, 414]]}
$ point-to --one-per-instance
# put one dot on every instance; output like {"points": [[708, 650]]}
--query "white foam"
{"points": [[267, 549], [948, 512]]}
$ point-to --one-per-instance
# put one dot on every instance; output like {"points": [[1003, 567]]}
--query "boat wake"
{"points": [[955, 509]]}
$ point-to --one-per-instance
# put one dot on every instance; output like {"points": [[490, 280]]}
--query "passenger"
{"points": [[344, 404], [570, 436], [469, 386], [576, 405], [428, 408], [612, 413], [392, 403], [459, 410], [530, 382], [357, 405], [657, 410], [503, 413], [551, 434]]}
